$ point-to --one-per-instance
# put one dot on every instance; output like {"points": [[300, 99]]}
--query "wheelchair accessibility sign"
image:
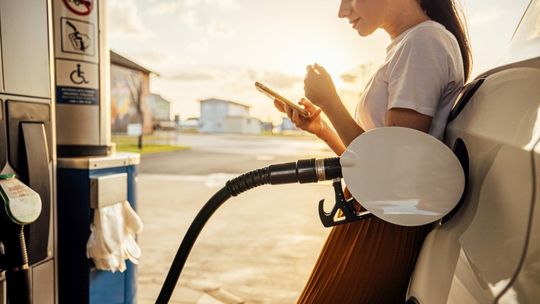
{"points": [[77, 82]]}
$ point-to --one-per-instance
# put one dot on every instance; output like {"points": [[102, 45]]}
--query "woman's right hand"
{"points": [[313, 124]]}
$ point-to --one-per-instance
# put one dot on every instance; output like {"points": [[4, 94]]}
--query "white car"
{"points": [[488, 249]]}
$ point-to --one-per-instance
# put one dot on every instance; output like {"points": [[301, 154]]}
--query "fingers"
{"points": [[316, 77], [315, 114], [309, 82], [320, 69], [285, 109], [316, 68], [289, 111], [294, 115], [279, 105], [308, 105], [296, 118], [311, 109]]}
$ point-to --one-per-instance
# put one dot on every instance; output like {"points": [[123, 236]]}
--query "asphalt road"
{"points": [[230, 153], [259, 247]]}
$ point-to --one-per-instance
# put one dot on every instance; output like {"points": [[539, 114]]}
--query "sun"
{"points": [[295, 63]]}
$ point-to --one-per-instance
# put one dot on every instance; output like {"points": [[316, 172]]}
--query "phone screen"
{"points": [[273, 95]]}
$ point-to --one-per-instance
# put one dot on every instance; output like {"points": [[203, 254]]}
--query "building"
{"points": [[129, 95], [267, 126], [224, 116], [161, 112], [287, 125]]}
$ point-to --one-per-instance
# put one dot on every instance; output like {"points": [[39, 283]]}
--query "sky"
{"points": [[219, 48]]}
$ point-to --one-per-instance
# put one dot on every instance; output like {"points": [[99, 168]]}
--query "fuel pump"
{"points": [[27, 149], [400, 175]]}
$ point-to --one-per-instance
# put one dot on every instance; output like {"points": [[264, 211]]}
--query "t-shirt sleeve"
{"points": [[418, 72]]}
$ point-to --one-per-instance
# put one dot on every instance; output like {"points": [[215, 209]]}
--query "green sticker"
{"points": [[23, 205]]}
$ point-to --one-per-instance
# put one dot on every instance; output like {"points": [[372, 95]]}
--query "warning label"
{"points": [[80, 96], [77, 37], [76, 52], [80, 7]]}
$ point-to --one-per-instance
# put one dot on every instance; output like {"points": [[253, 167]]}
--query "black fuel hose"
{"points": [[302, 171], [19, 289]]}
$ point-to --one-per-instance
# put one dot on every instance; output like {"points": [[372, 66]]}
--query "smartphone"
{"points": [[266, 91]]}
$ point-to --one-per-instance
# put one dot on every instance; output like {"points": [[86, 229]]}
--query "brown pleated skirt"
{"points": [[368, 261]]}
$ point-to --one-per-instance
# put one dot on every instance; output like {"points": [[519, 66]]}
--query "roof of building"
{"points": [[159, 97], [223, 100], [120, 60]]}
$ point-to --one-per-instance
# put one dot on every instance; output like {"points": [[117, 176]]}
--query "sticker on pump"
{"points": [[77, 37], [23, 205], [77, 82], [80, 7]]}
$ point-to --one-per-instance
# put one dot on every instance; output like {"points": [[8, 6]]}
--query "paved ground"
{"points": [[230, 153], [258, 248]]}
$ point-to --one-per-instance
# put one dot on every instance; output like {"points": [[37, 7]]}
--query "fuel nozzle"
{"points": [[302, 171], [20, 206], [315, 170], [305, 171]]}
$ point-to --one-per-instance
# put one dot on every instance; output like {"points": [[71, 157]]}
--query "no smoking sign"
{"points": [[80, 7]]}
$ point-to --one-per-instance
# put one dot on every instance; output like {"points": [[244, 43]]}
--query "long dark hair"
{"points": [[445, 13]]}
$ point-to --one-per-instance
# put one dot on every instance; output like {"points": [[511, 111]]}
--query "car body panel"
{"points": [[526, 286], [475, 256]]}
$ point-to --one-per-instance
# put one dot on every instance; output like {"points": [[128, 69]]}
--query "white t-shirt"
{"points": [[423, 71]]}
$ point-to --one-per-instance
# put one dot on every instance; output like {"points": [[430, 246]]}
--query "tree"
{"points": [[135, 84]]}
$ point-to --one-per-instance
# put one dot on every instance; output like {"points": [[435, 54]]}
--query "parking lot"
{"points": [[258, 248]]}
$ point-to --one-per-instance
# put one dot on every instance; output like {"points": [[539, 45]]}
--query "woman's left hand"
{"points": [[319, 87]]}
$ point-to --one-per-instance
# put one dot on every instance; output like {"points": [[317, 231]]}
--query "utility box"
{"points": [[27, 135], [84, 184]]}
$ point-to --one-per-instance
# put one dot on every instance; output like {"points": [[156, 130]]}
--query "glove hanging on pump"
{"points": [[112, 237]]}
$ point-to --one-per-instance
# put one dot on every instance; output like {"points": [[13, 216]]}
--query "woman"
{"points": [[426, 65]]}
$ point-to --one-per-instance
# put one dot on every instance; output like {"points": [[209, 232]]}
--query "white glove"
{"points": [[112, 237], [134, 226]]}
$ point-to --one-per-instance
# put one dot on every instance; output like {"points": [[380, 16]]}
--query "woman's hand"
{"points": [[319, 87], [313, 124]]}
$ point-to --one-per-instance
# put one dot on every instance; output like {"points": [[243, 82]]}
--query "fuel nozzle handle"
{"points": [[305, 171], [315, 170]]}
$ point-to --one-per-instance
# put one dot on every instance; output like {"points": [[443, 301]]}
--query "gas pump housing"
{"points": [[27, 130]]}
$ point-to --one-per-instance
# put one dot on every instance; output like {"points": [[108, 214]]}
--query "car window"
{"points": [[526, 41]]}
